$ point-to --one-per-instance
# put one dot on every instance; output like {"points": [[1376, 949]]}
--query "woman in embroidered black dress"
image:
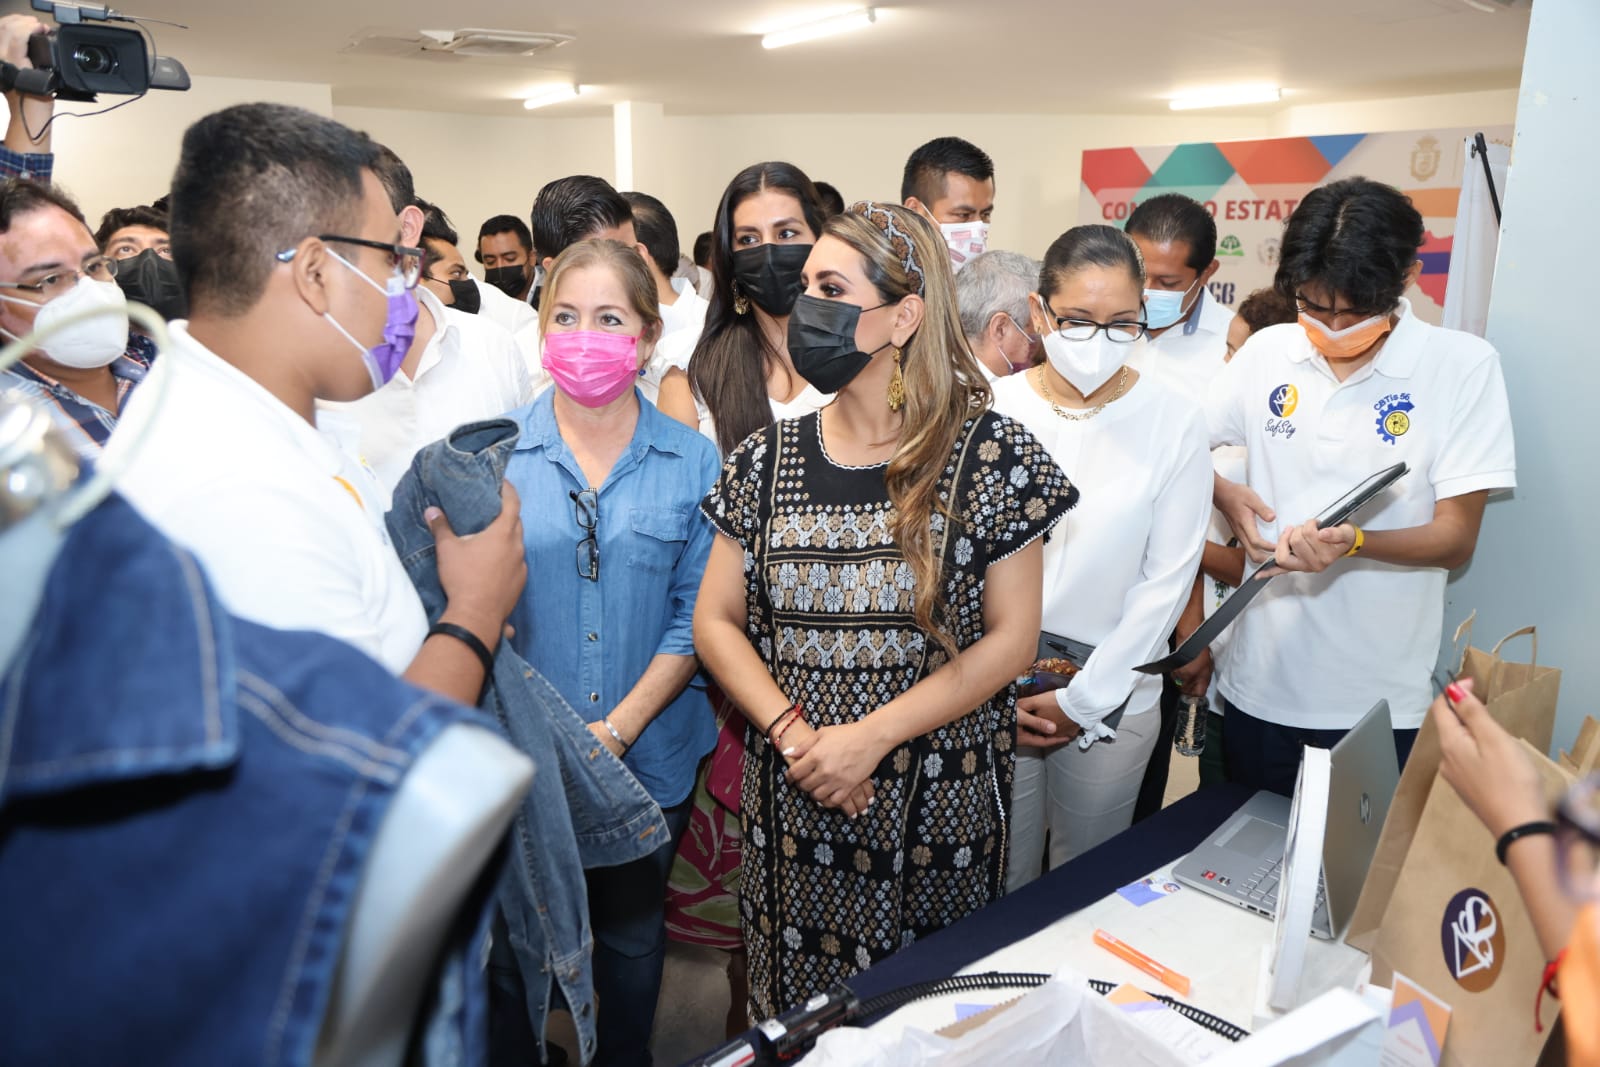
{"points": [[882, 722]]}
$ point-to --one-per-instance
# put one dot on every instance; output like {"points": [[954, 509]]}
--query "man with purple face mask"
{"points": [[300, 291], [454, 368]]}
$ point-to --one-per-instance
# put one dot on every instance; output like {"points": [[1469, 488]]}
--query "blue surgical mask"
{"points": [[1163, 307]]}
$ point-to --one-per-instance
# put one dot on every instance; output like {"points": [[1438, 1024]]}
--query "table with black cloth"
{"points": [[1132, 854]]}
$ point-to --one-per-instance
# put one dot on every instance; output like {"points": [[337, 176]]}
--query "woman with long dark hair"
{"points": [[873, 591], [740, 374], [740, 379]]}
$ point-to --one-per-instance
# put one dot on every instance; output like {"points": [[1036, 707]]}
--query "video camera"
{"points": [[75, 61]]}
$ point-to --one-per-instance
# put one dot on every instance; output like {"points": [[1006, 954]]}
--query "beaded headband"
{"points": [[900, 242]]}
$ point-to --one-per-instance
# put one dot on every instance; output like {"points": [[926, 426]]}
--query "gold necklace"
{"points": [[1080, 416]]}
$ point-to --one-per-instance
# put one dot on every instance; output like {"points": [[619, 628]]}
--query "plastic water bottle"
{"points": [[1190, 736]]}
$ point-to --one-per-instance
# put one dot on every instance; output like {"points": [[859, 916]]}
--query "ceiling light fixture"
{"points": [[1227, 96], [855, 20], [556, 94]]}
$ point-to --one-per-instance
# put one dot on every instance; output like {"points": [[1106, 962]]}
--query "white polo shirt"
{"points": [[505, 311], [288, 527], [687, 315], [682, 323], [471, 370], [1189, 355], [1318, 650]]}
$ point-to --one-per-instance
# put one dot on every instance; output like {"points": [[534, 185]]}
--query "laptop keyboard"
{"points": [[1262, 886]]}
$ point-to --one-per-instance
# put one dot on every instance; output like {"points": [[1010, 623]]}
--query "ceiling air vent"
{"points": [[492, 44], [451, 44]]}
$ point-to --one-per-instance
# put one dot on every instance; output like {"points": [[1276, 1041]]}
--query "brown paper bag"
{"points": [[1584, 755], [1521, 697], [1457, 926]]}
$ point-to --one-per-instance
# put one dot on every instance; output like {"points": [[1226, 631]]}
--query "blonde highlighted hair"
{"points": [[944, 386], [629, 268]]}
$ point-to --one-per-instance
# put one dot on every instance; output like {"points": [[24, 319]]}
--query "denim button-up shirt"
{"points": [[594, 639]]}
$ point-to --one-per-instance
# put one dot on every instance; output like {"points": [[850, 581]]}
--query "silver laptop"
{"points": [[1241, 861]]}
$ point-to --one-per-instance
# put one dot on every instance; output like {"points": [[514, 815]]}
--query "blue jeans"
{"points": [[627, 913], [1266, 755]]}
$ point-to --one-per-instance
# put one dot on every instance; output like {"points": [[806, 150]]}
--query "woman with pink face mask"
{"points": [[616, 543]]}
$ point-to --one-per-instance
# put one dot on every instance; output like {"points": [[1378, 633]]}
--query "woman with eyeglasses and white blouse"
{"points": [[1119, 569]]}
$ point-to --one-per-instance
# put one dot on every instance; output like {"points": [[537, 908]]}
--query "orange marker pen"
{"points": [[1128, 954]]}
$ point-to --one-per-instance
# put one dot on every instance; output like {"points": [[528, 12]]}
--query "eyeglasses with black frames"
{"points": [[586, 505]]}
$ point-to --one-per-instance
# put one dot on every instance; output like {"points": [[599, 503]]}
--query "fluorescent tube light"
{"points": [[855, 20], [1228, 96], [556, 94]]}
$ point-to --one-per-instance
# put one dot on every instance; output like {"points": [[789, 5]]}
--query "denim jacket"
{"points": [[585, 809], [187, 803]]}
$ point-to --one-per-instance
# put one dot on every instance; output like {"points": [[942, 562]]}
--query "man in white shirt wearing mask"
{"points": [[459, 368], [50, 270], [299, 291], [1188, 327], [951, 181], [1188, 345], [992, 296]]}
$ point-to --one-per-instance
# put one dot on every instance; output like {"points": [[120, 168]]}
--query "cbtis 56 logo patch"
{"points": [[1394, 416]]}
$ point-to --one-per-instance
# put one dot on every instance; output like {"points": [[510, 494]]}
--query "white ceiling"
{"points": [[948, 56]]}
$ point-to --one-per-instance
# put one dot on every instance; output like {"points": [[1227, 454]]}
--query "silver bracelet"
{"points": [[606, 722]]}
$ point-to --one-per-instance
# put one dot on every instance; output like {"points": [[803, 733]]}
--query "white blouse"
{"points": [[1118, 569]]}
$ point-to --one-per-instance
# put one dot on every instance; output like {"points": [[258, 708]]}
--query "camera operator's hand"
{"points": [[28, 113]]}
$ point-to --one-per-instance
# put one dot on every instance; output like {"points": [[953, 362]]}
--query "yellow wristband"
{"points": [[1361, 539]]}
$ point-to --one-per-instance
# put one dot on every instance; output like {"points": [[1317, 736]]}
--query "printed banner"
{"points": [[1252, 187]]}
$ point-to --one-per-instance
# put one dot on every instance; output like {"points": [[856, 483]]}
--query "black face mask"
{"points": [[770, 275], [464, 295], [509, 280], [153, 281], [822, 342]]}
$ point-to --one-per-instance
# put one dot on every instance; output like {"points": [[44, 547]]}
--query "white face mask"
{"points": [[93, 341], [1088, 364], [966, 241]]}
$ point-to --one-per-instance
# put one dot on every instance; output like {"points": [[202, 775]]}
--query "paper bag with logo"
{"points": [[1520, 697], [1457, 927]]}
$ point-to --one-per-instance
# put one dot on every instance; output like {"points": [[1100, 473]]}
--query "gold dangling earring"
{"points": [[741, 303], [897, 386]]}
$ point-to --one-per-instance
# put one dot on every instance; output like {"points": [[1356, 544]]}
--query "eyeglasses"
{"points": [[1350, 315], [100, 268], [586, 505], [404, 260], [1085, 329]]}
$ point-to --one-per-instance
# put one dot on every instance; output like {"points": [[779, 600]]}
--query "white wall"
{"points": [[475, 166], [127, 156], [1488, 108], [1037, 158], [1536, 561]]}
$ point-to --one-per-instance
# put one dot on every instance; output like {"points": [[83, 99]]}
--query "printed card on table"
{"points": [[1147, 890], [1418, 1020]]}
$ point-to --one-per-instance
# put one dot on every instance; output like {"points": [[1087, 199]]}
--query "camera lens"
{"points": [[94, 59]]}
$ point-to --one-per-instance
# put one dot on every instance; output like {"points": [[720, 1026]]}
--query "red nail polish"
{"points": [[1455, 692]]}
